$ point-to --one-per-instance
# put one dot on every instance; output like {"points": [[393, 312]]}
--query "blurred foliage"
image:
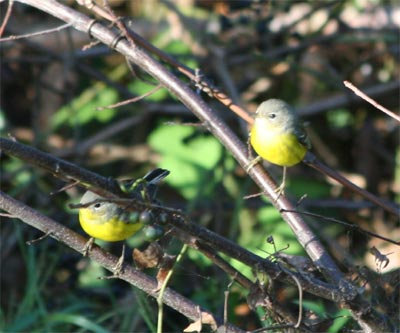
{"points": [[192, 154], [298, 51]]}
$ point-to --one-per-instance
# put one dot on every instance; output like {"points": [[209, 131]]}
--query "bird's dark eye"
{"points": [[271, 115], [97, 205]]}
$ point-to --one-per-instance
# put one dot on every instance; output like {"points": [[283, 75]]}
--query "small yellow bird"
{"points": [[107, 221], [278, 136]]}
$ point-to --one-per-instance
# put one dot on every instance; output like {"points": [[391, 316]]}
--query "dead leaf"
{"points": [[149, 258], [194, 327]]}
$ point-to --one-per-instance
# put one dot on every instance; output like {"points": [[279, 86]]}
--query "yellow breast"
{"points": [[111, 230], [277, 147]]}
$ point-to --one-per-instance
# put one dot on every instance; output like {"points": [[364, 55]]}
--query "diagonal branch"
{"points": [[175, 219], [105, 259]]}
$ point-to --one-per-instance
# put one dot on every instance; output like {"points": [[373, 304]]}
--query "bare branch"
{"points": [[365, 97], [163, 215], [105, 259], [313, 162], [40, 33]]}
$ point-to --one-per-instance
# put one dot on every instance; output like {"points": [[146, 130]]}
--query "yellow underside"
{"points": [[283, 149], [111, 231]]}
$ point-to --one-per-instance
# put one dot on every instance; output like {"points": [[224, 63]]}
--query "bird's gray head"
{"points": [[89, 197], [104, 210], [277, 112]]}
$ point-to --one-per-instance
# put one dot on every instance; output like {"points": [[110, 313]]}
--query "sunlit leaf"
{"points": [[191, 159]]}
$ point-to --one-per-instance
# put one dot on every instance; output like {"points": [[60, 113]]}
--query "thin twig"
{"points": [[131, 100], [6, 17], [34, 34], [341, 100], [113, 129], [365, 97], [350, 226], [312, 161], [236, 275], [160, 298], [200, 81], [226, 298]]}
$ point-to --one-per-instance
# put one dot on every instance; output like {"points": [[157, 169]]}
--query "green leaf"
{"points": [[24, 322], [90, 276], [189, 158], [77, 320], [83, 109], [3, 121], [340, 118], [177, 47], [312, 188], [339, 323]]}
